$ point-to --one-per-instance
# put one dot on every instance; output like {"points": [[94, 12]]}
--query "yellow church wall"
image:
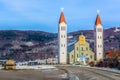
{"points": [[82, 40], [81, 48], [76, 51], [71, 57]]}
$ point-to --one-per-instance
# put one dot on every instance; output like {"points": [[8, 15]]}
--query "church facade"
{"points": [[81, 52]]}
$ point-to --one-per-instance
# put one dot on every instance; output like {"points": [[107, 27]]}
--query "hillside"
{"points": [[24, 45], [30, 45]]}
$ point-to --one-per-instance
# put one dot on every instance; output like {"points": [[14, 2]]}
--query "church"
{"points": [[81, 52]]}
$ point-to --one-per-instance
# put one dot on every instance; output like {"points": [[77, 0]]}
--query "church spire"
{"points": [[62, 40], [62, 18], [98, 37], [98, 20]]}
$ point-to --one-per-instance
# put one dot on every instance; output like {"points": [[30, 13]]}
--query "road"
{"points": [[85, 73], [60, 73]]}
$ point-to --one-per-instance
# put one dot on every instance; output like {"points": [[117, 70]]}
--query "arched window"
{"points": [[77, 55], [99, 30], [82, 54], [82, 48], [61, 45], [62, 28], [87, 48], [72, 56], [91, 56], [77, 48], [61, 36]]}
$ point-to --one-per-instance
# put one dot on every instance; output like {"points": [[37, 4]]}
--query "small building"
{"points": [[81, 52], [10, 65]]}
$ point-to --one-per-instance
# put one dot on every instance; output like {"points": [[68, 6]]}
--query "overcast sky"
{"points": [[44, 14]]}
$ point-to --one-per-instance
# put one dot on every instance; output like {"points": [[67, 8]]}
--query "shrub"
{"points": [[92, 63]]}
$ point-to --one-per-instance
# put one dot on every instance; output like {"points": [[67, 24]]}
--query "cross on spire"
{"points": [[62, 9], [98, 20], [62, 18], [98, 11]]}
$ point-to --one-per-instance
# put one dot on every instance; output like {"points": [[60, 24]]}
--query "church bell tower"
{"points": [[62, 39], [98, 35]]}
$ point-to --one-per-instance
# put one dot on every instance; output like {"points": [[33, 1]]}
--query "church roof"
{"points": [[62, 18], [70, 46], [98, 20]]}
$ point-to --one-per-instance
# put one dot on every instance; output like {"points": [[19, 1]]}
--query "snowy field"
{"points": [[36, 67], [103, 68], [1, 67]]}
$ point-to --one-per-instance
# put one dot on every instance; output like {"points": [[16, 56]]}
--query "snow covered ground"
{"points": [[108, 69], [36, 67], [1, 67], [103, 68]]}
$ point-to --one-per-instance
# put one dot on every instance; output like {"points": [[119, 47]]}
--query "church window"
{"points": [[61, 45], [82, 48], [82, 54], [77, 55], [86, 48], [61, 36], [77, 48], [99, 30], [91, 56], [62, 28], [72, 56]]}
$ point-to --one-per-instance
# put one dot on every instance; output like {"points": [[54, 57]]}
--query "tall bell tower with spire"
{"points": [[62, 39], [98, 35]]}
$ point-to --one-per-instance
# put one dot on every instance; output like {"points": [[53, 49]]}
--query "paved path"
{"points": [[32, 75], [84, 73], [62, 73]]}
